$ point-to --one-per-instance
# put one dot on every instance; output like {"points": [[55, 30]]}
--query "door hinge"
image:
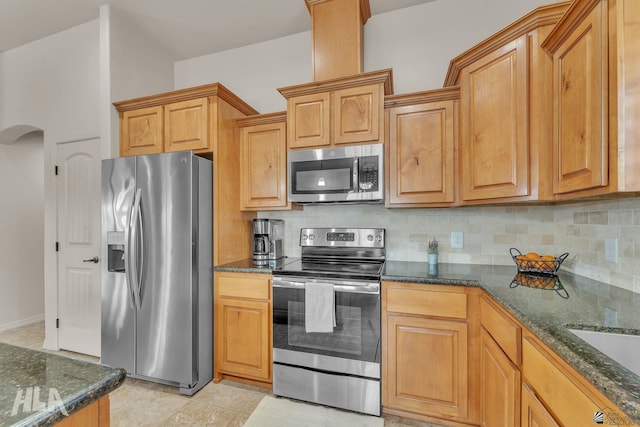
{"points": [[57, 246], [57, 323], [56, 170]]}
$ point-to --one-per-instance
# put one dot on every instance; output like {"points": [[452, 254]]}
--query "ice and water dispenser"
{"points": [[115, 251]]}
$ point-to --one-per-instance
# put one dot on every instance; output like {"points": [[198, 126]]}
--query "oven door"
{"points": [[354, 345]]}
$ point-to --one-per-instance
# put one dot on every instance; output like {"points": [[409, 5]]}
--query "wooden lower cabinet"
{"points": [[427, 361], [566, 395], [534, 414], [95, 414], [428, 369], [243, 327], [500, 389]]}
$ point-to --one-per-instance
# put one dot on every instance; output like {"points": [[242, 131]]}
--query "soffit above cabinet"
{"points": [[544, 15]]}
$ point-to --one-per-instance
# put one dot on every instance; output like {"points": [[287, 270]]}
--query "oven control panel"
{"points": [[343, 237]]}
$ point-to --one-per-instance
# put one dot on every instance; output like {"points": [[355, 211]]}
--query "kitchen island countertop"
{"points": [[574, 302], [36, 386]]}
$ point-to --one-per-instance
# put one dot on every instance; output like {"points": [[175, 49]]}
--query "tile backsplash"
{"points": [[580, 229]]}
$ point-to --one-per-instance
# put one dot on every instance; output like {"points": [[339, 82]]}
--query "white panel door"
{"points": [[79, 210]]}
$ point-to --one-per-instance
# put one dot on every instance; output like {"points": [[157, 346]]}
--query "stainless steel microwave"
{"points": [[353, 173]]}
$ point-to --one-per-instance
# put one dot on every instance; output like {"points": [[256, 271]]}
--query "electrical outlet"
{"points": [[457, 240], [610, 317], [611, 250]]}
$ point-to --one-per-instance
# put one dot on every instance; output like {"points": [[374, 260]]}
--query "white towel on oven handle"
{"points": [[319, 307]]}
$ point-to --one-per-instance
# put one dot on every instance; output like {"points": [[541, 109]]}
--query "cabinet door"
{"points": [[309, 120], [141, 131], [500, 381], [494, 124], [534, 414], [427, 366], [263, 166], [421, 145], [358, 114], [244, 341], [580, 141], [186, 124]]}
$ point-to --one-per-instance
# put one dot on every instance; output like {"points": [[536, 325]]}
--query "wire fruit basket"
{"points": [[537, 264], [540, 281]]}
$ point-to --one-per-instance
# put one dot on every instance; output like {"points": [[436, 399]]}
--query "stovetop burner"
{"points": [[354, 253]]}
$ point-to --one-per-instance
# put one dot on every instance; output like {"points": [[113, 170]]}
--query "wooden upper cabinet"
{"points": [[309, 119], [580, 141], [357, 114], [596, 84], [263, 162], [185, 119], [141, 131], [421, 148], [186, 125], [347, 110], [494, 143], [505, 116]]}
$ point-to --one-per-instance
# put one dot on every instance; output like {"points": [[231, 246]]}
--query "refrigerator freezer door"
{"points": [[166, 319], [118, 315]]}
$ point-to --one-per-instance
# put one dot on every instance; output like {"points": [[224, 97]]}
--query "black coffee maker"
{"points": [[268, 240]]}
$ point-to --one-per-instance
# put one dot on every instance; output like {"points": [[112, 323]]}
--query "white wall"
{"points": [[132, 66], [253, 72], [52, 84], [416, 42], [22, 231]]}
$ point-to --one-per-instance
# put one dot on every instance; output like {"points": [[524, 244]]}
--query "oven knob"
{"points": [[378, 238], [304, 237], [370, 237], [312, 236]]}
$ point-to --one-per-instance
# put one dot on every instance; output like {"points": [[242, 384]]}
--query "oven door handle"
{"points": [[360, 288]]}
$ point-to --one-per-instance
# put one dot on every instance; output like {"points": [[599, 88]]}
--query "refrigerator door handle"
{"points": [[133, 270], [140, 261]]}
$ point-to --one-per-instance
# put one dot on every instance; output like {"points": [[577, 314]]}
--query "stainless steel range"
{"points": [[326, 319]]}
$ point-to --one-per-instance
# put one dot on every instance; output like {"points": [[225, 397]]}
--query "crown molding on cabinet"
{"points": [[214, 89], [544, 15], [262, 119], [436, 95], [576, 13], [363, 79]]}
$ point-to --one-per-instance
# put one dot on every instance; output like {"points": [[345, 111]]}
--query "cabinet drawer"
{"points": [[507, 334], [427, 302], [241, 285], [556, 388]]}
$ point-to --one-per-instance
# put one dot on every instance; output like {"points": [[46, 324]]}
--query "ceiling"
{"points": [[182, 29]]}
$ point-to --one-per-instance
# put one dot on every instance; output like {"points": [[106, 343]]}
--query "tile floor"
{"points": [[142, 403]]}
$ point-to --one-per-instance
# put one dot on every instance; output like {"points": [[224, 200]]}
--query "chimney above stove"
{"points": [[337, 41]]}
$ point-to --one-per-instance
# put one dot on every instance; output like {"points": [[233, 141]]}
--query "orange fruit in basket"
{"points": [[532, 255], [549, 262]]}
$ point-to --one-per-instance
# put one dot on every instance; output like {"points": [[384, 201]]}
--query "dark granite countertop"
{"points": [[35, 386], [249, 266], [574, 301]]}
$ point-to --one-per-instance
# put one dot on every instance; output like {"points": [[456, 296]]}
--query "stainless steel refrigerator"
{"points": [[157, 292]]}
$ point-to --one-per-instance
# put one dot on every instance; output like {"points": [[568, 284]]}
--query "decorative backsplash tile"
{"points": [[489, 232]]}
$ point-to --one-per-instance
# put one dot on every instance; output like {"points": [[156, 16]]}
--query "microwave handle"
{"points": [[356, 178]]}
